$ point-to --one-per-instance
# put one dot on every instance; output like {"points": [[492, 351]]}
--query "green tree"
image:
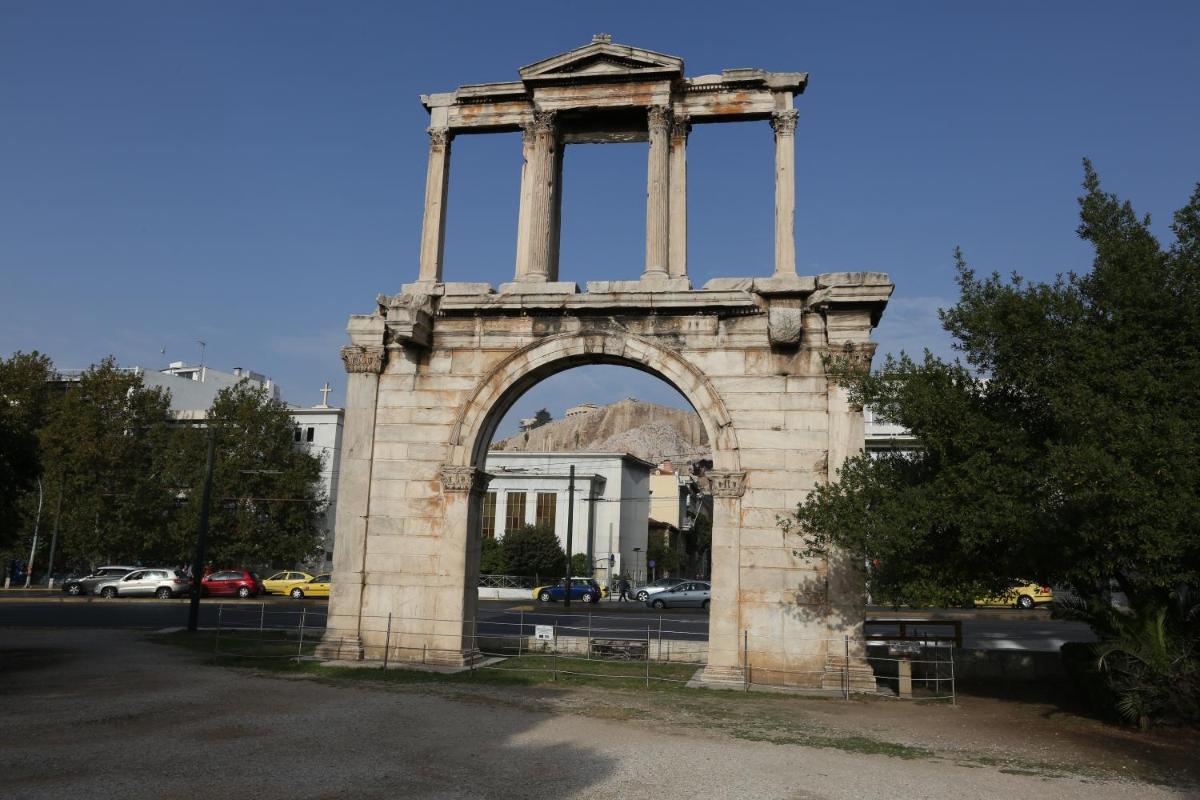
{"points": [[534, 551], [541, 418], [105, 445], [24, 403], [1065, 450], [491, 561], [266, 500], [579, 564]]}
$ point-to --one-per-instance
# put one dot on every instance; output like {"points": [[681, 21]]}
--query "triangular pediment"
{"points": [[602, 59]]}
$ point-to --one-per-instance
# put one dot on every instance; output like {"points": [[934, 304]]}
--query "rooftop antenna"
{"points": [[202, 346]]}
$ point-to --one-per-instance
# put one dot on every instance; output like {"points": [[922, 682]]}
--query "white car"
{"points": [[642, 593], [156, 582]]}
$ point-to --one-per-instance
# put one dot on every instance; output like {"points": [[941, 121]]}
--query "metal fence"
{"points": [[645, 649]]}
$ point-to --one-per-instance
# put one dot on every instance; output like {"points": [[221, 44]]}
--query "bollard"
{"points": [[846, 671], [953, 692], [745, 660], [262, 619], [521, 635], [217, 638]]}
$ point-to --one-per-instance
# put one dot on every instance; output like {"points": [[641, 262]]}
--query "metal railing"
{"points": [[664, 650]]}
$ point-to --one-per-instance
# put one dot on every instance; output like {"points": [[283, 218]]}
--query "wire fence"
{"points": [[647, 650]]}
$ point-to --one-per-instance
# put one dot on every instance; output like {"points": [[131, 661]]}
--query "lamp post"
{"points": [[33, 550], [637, 561]]}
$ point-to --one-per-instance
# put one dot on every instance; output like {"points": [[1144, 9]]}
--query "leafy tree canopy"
{"points": [[1065, 449], [23, 406], [534, 551]]}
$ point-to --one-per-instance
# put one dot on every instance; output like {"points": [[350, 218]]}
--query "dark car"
{"points": [[232, 583], [86, 584], [584, 589]]}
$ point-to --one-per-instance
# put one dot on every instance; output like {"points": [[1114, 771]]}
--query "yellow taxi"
{"points": [[1025, 596], [314, 587], [282, 582]]}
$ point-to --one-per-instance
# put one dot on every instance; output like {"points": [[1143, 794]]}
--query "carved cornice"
{"points": [[464, 479], [409, 318], [724, 483], [784, 122], [680, 128], [439, 137], [363, 359], [658, 118]]}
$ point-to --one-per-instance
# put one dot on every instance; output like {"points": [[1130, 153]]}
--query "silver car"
{"points": [[690, 593], [88, 583], [654, 587], [155, 582]]}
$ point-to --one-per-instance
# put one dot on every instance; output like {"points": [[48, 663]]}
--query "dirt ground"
{"points": [[109, 713]]}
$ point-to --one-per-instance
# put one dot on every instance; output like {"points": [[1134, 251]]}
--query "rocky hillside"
{"points": [[646, 430]]}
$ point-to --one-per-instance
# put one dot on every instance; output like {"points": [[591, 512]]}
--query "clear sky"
{"points": [[249, 174]]}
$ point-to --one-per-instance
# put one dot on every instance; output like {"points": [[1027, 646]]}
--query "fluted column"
{"points": [[784, 123], [678, 203], [433, 229], [658, 181], [536, 235]]}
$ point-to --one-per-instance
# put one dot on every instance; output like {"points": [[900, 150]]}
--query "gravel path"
{"points": [[100, 714]]}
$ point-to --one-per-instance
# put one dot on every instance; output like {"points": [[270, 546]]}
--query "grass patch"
{"points": [[850, 744]]}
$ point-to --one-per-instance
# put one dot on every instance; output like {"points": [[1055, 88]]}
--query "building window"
{"points": [[514, 513], [489, 515], [546, 502], [308, 435], [296, 433]]}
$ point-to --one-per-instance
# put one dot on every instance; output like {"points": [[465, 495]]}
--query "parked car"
{"points": [[654, 587], [585, 589], [1024, 597], [689, 593], [316, 587], [154, 582], [86, 584], [232, 582], [282, 582]]}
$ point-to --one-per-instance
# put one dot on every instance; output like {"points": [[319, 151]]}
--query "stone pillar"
{"points": [[437, 183], [678, 202], [536, 237], [724, 623], [463, 489], [342, 638], [784, 123], [658, 181]]}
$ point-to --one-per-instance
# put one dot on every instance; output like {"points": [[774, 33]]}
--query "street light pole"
{"points": [[201, 535], [570, 530], [62, 479], [33, 550]]}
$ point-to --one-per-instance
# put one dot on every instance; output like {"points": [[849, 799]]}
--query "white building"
{"points": [[319, 431], [611, 510], [882, 436]]}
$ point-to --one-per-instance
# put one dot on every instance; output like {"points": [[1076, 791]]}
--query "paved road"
{"points": [[1001, 629]]}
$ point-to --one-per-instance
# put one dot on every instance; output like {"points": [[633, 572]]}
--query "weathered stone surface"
{"points": [[433, 369]]}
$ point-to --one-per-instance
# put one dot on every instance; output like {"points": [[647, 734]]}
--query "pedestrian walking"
{"points": [[623, 587]]}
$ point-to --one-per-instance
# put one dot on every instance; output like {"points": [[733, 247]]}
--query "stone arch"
{"points": [[507, 381]]}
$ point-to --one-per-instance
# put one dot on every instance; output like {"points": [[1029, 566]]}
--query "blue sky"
{"points": [[249, 174]]}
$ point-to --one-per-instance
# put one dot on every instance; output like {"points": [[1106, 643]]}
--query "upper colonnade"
{"points": [[605, 92]]}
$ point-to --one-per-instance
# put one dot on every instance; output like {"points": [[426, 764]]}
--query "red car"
{"points": [[232, 582]]}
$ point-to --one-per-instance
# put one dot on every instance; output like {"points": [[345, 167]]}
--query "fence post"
{"points": [[953, 690], [554, 656], [474, 644], [589, 654], [387, 641], [660, 637], [217, 639], [647, 658], [746, 660], [521, 636], [846, 670], [262, 619], [300, 648]]}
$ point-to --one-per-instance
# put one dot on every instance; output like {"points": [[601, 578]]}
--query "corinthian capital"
{"points": [[725, 483], [681, 127], [464, 479], [659, 119], [784, 122], [544, 123], [363, 359], [439, 137]]}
